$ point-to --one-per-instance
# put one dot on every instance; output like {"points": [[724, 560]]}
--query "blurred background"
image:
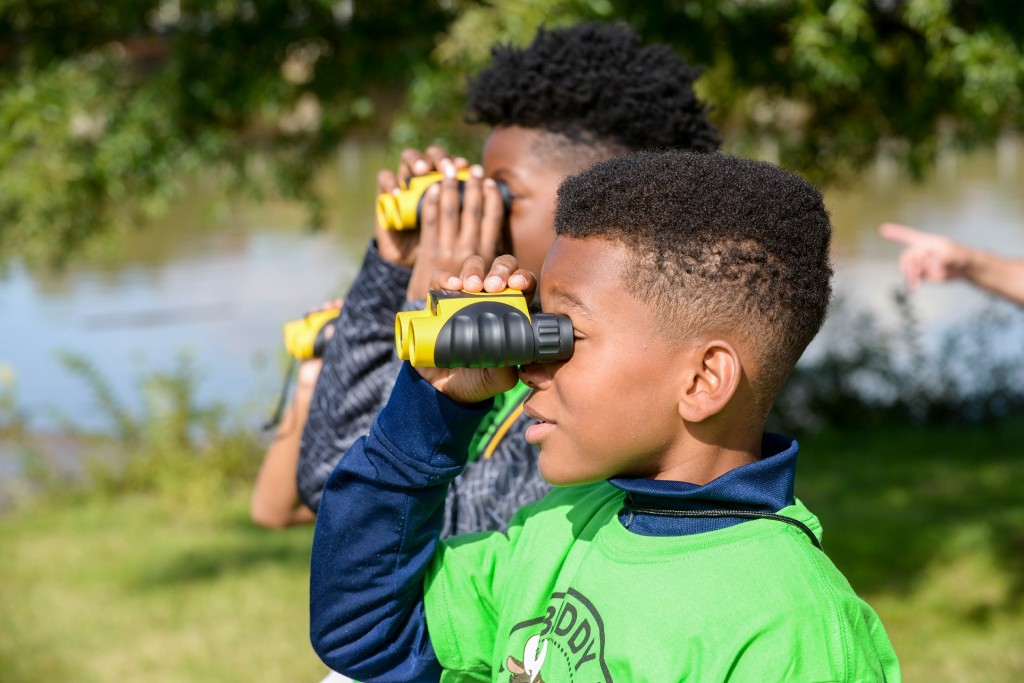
{"points": [[179, 178]]}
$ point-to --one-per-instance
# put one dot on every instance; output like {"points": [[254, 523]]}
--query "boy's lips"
{"points": [[536, 432]]}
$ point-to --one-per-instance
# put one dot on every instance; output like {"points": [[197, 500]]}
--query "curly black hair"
{"points": [[720, 244], [597, 85]]}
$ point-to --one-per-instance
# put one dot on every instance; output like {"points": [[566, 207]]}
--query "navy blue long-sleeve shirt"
{"points": [[382, 510]]}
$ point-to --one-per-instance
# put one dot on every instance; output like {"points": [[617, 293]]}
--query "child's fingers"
{"points": [[444, 279], [437, 156], [472, 212], [450, 208], [429, 217], [413, 162], [386, 182], [524, 281], [472, 274], [492, 221], [501, 270]]}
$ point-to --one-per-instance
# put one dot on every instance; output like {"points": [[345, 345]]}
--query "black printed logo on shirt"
{"points": [[567, 643]]}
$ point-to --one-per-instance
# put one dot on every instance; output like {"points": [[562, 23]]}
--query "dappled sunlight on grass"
{"points": [[928, 525]]}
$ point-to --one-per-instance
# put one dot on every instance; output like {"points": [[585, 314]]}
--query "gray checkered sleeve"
{"points": [[359, 370]]}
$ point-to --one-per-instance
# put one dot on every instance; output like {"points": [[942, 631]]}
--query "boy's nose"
{"points": [[535, 375]]}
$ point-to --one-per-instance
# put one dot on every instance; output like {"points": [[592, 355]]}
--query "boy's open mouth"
{"points": [[536, 432]]}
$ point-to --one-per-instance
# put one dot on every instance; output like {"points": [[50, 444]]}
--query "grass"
{"points": [[136, 588], [109, 586], [928, 525]]}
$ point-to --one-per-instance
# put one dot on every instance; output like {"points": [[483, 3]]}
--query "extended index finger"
{"points": [[903, 234]]}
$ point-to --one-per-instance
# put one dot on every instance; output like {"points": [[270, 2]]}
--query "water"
{"points": [[222, 293], [218, 294]]}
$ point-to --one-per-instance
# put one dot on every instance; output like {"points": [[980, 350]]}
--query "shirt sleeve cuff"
{"points": [[443, 428]]}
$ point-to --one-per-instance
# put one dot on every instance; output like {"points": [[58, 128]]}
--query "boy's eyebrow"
{"points": [[572, 301], [500, 173]]}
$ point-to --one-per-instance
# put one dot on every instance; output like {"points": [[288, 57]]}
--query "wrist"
{"points": [[971, 264], [388, 257], [443, 427]]}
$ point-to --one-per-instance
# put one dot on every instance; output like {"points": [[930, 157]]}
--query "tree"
{"points": [[829, 84], [111, 103]]}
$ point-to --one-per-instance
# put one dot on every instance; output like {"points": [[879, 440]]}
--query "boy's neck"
{"points": [[705, 458]]}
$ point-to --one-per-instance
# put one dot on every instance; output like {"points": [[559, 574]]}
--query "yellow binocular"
{"points": [[401, 211], [305, 339], [481, 330]]}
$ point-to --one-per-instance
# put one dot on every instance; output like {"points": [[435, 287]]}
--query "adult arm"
{"points": [[937, 258], [377, 531]]}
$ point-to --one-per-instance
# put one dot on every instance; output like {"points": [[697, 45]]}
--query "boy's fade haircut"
{"points": [[599, 88], [722, 245]]}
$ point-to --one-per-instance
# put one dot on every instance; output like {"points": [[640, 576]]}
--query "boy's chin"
{"points": [[556, 474]]}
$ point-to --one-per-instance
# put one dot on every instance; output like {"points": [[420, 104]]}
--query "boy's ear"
{"points": [[713, 373]]}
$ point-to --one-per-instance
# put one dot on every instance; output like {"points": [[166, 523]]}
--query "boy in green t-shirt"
{"points": [[673, 548]]}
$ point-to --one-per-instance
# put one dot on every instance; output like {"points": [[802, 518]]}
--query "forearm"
{"points": [[999, 275], [358, 371], [377, 531], [275, 499]]}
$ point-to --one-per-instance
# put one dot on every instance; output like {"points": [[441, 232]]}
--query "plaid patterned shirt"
{"points": [[359, 370]]}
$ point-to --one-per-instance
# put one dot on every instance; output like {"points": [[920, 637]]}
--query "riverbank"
{"points": [[928, 525]]}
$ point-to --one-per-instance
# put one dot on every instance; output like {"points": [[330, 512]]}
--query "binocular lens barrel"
{"points": [[306, 338], [401, 211], [469, 330]]}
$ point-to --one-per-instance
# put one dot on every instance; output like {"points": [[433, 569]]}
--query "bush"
{"points": [[174, 446], [869, 375]]}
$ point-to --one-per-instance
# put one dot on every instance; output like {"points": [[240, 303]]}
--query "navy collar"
{"points": [[762, 486]]}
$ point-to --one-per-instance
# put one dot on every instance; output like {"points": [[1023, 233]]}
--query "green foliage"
{"points": [[827, 85], [116, 103], [168, 443]]}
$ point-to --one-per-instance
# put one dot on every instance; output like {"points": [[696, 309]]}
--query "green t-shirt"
{"points": [[569, 594]]}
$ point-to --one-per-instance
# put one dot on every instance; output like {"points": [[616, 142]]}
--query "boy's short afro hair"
{"points": [[722, 245], [595, 84]]}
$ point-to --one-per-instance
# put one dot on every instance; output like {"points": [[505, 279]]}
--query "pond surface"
{"points": [[219, 290]]}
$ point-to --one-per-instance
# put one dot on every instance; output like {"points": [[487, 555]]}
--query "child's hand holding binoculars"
{"points": [[457, 217], [472, 385]]}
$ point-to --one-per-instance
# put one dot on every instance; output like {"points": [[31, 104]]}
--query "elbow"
{"points": [[337, 652], [364, 659], [268, 517], [366, 643]]}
